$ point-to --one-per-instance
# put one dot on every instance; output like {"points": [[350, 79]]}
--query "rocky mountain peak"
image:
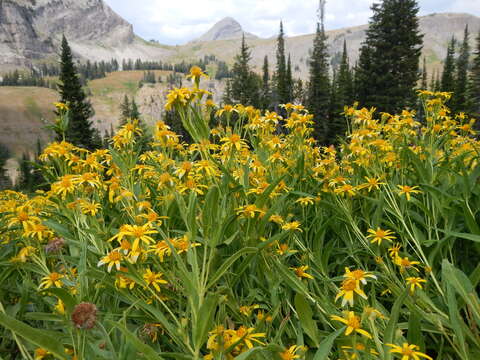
{"points": [[226, 29]]}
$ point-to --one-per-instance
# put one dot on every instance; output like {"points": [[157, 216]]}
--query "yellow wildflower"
{"points": [[41, 353], [358, 275], [300, 272], [408, 190], [292, 352], [52, 279], [379, 235], [347, 290], [293, 226], [408, 351], [406, 263], [353, 324], [113, 258], [415, 282], [304, 201]]}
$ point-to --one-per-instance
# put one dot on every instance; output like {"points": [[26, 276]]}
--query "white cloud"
{"points": [[178, 21]]}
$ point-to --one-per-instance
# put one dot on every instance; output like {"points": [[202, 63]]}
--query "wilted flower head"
{"points": [[55, 245], [84, 315]]}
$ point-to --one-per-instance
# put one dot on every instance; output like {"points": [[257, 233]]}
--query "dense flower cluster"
{"points": [[252, 238]]}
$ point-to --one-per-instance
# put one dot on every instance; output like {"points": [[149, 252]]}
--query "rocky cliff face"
{"points": [[19, 40], [31, 30], [81, 21], [438, 30], [226, 29]]}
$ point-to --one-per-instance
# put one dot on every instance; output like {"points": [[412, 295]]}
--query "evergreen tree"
{"points": [[266, 92], [5, 182], [227, 94], [341, 95], [79, 130], [345, 80], [460, 96], [299, 95], [389, 58], [37, 176], [134, 112], [438, 82], [448, 75], [431, 87], [125, 110], [245, 83], [364, 91], [318, 100], [424, 84], [97, 140], [25, 179], [289, 79], [474, 86], [282, 91], [129, 112]]}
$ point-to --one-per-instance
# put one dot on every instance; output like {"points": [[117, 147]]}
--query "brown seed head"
{"points": [[55, 245], [84, 315]]}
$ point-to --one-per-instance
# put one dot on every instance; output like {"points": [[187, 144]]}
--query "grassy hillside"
{"points": [[108, 94], [24, 110], [23, 114]]}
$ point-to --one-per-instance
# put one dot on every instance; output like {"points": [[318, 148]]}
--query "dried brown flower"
{"points": [[55, 245], [84, 315]]}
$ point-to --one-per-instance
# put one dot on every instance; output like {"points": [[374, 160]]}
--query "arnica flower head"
{"points": [[52, 279], [353, 323], [61, 106], [372, 183], [292, 352], [415, 282], [405, 263], [301, 272], [408, 190], [379, 235], [350, 352], [195, 74], [154, 279], [41, 353], [408, 351], [249, 337], [347, 290], [358, 275], [112, 259], [293, 226]]}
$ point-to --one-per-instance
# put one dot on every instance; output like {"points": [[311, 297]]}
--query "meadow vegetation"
{"points": [[252, 242]]}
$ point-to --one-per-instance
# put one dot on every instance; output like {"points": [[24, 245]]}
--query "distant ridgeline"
{"points": [[44, 75]]}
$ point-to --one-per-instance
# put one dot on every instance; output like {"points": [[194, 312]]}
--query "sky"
{"points": [[175, 22]]}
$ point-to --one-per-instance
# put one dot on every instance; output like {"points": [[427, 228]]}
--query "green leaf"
{"points": [[249, 353], [226, 265], [292, 280], [35, 336], [204, 321], [147, 351], [305, 314], [462, 285], [43, 316], [63, 295], [455, 320], [465, 236], [392, 323], [325, 346], [415, 330], [59, 229]]}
